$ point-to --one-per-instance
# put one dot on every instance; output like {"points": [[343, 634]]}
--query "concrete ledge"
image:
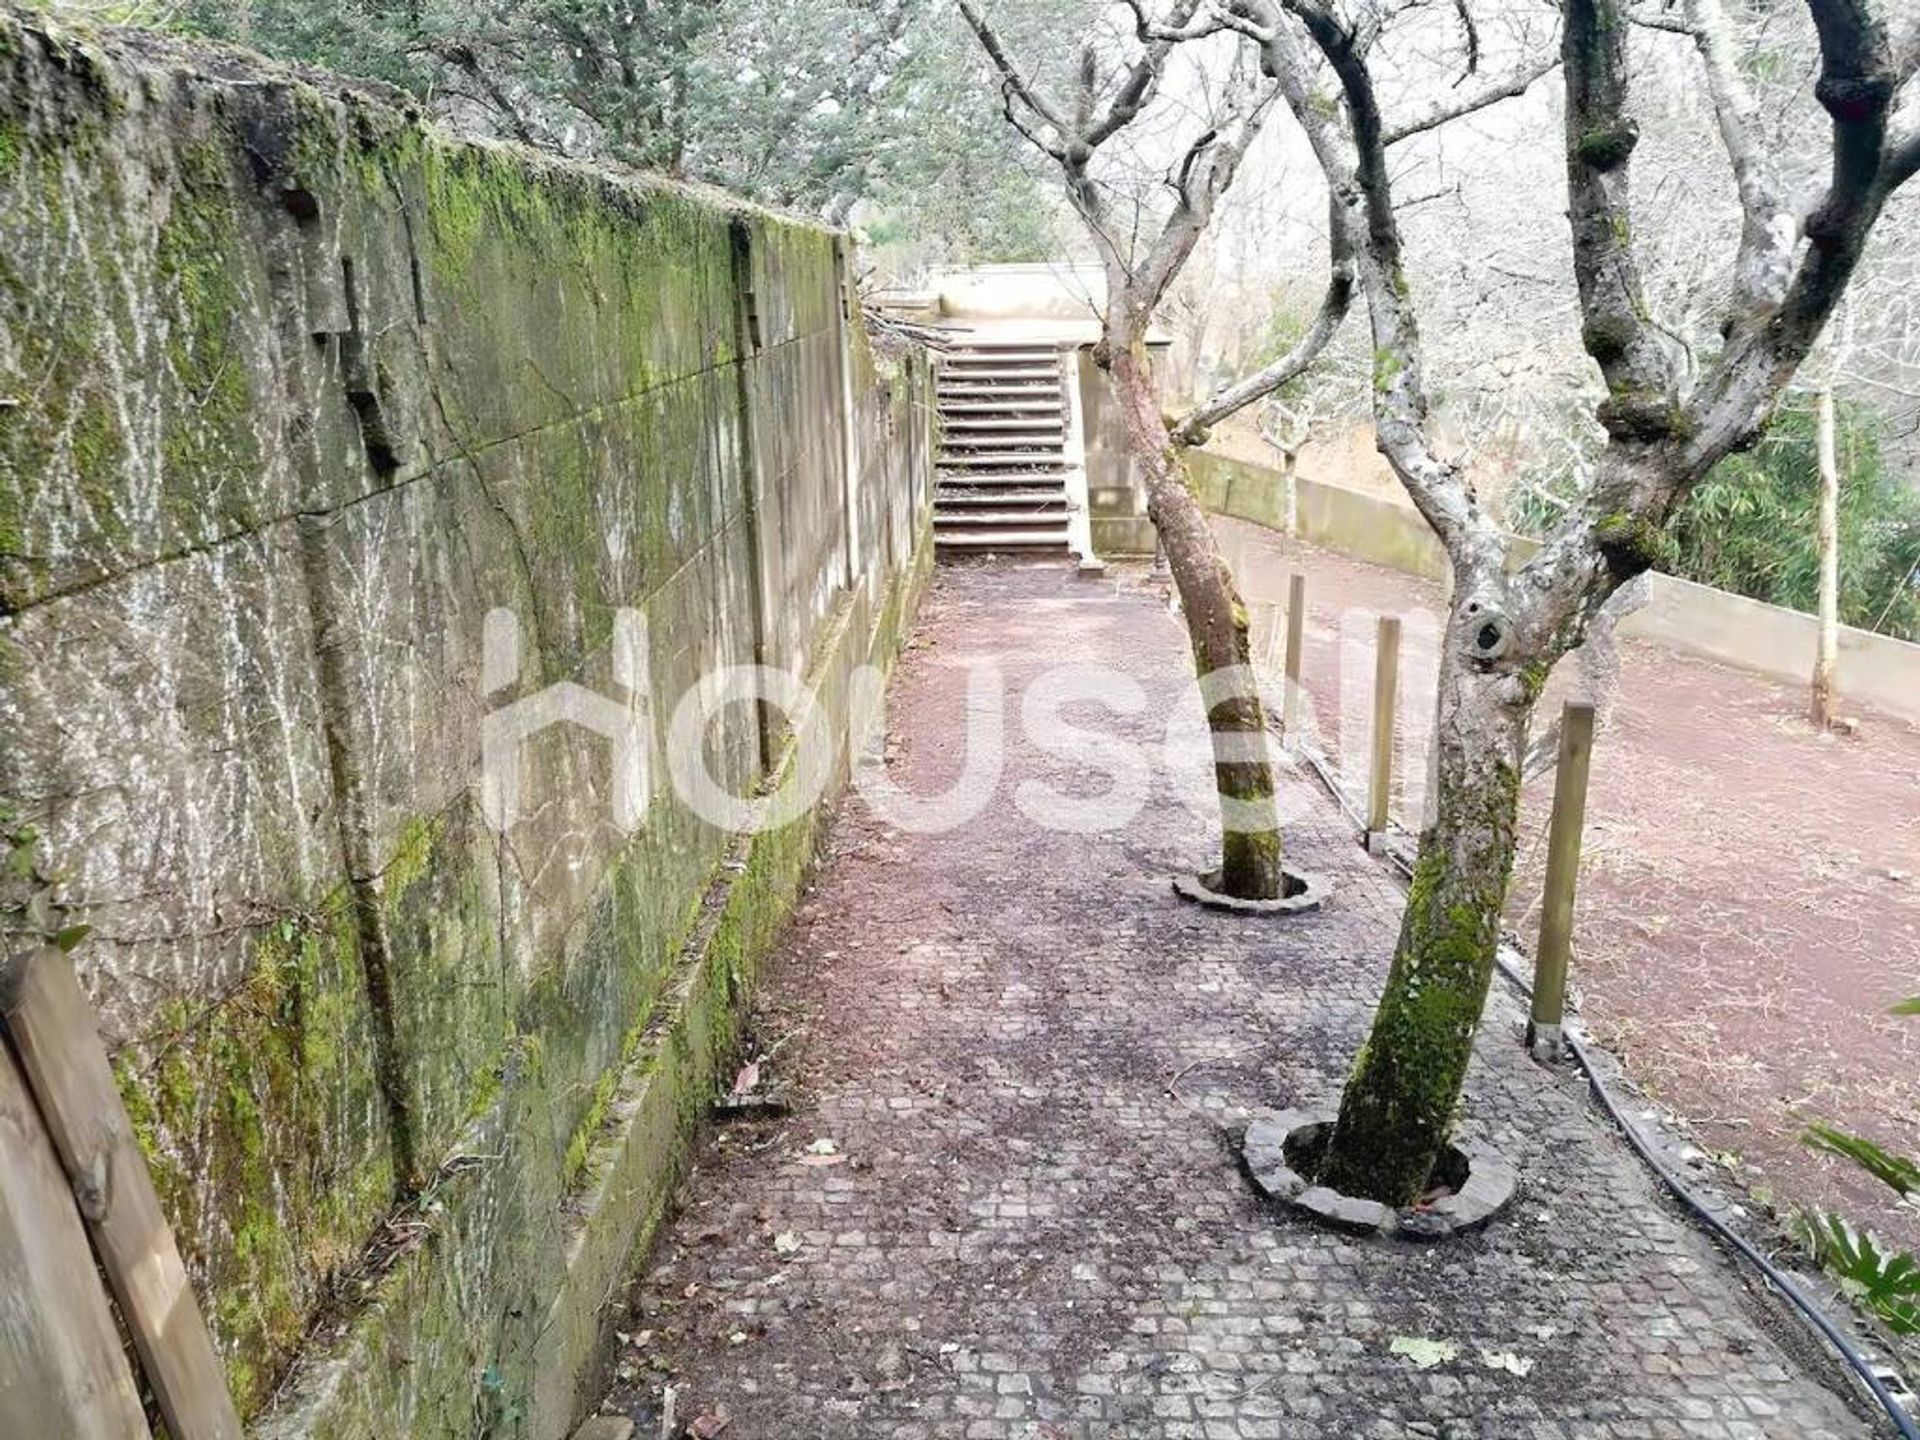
{"points": [[1771, 640], [1305, 891], [1275, 1137]]}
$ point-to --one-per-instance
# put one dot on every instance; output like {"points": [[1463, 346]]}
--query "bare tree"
{"points": [[1666, 424], [1142, 261], [1071, 134]]}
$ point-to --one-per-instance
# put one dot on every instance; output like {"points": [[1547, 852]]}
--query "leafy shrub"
{"points": [[1750, 526], [1887, 1282]]}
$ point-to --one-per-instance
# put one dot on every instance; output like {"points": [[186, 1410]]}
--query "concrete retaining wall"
{"points": [[294, 392], [1875, 670]]}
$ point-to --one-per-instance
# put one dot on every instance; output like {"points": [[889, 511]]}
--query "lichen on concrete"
{"points": [[303, 389]]}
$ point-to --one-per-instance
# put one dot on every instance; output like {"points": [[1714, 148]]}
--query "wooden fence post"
{"points": [[1555, 947], [1296, 640], [1386, 693], [62, 1371]]}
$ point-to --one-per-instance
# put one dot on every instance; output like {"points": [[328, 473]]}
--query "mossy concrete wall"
{"points": [[294, 390]]}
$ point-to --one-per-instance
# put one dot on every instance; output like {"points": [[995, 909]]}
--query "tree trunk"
{"points": [[1399, 1101], [1217, 630], [1826, 656]]}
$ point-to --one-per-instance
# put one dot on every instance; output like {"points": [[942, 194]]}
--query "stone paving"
{"points": [[1030, 1060]]}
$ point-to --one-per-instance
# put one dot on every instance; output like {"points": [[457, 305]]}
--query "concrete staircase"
{"points": [[1005, 460]]}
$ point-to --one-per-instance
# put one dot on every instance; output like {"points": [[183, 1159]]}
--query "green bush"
{"points": [[1750, 526]]}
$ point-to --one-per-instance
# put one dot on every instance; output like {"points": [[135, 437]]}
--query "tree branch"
{"points": [[1205, 174], [1013, 83], [1859, 87], [1357, 177], [1601, 136], [1769, 229], [1903, 159], [1507, 87], [1231, 399], [1198, 28], [1143, 78]]}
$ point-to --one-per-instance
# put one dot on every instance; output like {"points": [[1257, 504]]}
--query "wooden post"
{"points": [[1563, 864], [52, 1029], [1826, 656], [1296, 641], [62, 1371], [1386, 688]]}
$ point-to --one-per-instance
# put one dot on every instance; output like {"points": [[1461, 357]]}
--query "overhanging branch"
{"points": [[1507, 87], [1192, 428], [1601, 136]]}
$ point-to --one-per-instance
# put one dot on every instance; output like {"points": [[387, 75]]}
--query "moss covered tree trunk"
{"points": [[1400, 1097], [1216, 622]]}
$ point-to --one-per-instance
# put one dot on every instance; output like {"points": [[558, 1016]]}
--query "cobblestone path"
{"points": [[1029, 1059]]}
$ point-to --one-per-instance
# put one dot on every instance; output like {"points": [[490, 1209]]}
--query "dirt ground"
{"points": [[1749, 900]]}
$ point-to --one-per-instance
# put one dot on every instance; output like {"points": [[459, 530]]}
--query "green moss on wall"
{"points": [[239, 1108], [187, 339], [211, 452]]}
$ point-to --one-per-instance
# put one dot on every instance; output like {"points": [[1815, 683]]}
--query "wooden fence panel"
{"points": [[53, 1031], [62, 1371]]}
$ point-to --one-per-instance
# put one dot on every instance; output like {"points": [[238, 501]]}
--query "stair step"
{"points": [[969, 500], [1018, 387], [974, 479], [1020, 440], [1019, 462], [1042, 423], [1002, 355], [1001, 372], [1026, 517], [967, 364], [1003, 539], [1000, 407]]}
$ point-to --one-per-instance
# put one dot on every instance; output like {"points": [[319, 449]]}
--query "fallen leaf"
{"points": [[709, 1423], [748, 1078], [1506, 1360], [1424, 1353]]}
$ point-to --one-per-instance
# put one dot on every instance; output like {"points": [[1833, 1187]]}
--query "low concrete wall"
{"points": [[1035, 291], [298, 391], [1116, 491], [1875, 670]]}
